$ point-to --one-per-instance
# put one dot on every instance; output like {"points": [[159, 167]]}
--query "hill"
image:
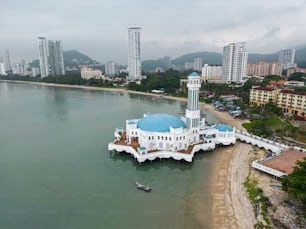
{"points": [[75, 58], [216, 58], [71, 58]]}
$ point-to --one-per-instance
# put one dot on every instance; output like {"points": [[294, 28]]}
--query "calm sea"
{"points": [[56, 171]]}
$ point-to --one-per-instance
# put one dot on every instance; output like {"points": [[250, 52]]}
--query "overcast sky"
{"points": [[98, 28]]}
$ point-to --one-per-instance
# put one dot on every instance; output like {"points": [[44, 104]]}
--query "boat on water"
{"points": [[143, 187]]}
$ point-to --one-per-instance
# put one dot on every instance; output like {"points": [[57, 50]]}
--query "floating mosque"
{"points": [[167, 136]]}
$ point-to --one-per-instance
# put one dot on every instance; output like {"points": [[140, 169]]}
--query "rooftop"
{"points": [[223, 127], [285, 162], [160, 123]]}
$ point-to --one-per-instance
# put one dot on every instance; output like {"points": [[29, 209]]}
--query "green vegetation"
{"points": [[169, 80], [295, 183], [263, 127], [258, 200]]}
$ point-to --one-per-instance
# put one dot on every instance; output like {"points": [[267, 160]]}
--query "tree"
{"points": [[295, 182]]}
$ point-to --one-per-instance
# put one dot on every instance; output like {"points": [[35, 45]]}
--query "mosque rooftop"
{"points": [[223, 127], [194, 74], [160, 123]]}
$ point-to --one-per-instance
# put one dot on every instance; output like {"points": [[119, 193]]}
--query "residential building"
{"points": [[7, 61], [294, 83], [56, 59], [286, 58], [134, 60], [290, 71], [264, 69], [188, 65], [2, 69], [234, 63], [211, 72], [292, 102], [110, 68], [88, 73], [197, 64], [260, 96], [43, 56], [167, 62]]}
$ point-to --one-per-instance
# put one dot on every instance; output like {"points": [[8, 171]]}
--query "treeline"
{"points": [[169, 81]]}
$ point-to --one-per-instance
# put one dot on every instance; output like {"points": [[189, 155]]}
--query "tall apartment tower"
{"points": [[235, 60], [167, 62], [110, 68], [43, 56], [197, 64], [134, 60], [286, 58], [56, 59], [7, 61]]}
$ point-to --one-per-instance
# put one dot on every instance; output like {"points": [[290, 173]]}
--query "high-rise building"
{"points": [[134, 60], [7, 61], [197, 64], [234, 62], [110, 68], [212, 73], [286, 58], [43, 56], [56, 59], [167, 62], [264, 69], [2, 69]]}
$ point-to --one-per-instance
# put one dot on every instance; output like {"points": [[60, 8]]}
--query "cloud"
{"points": [[170, 27]]}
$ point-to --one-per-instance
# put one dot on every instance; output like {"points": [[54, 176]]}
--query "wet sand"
{"points": [[230, 205]]}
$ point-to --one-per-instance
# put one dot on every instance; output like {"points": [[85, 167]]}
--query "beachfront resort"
{"points": [[167, 136]]}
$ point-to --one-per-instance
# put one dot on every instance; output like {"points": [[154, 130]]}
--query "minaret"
{"points": [[193, 111]]}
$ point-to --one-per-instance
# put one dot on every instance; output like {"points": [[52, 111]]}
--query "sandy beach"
{"points": [[230, 205]]}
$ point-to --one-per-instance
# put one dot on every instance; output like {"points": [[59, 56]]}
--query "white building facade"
{"points": [[286, 58], [43, 56], [7, 61], [197, 64], [134, 60], [110, 68], [88, 73], [56, 58], [212, 72], [234, 63]]}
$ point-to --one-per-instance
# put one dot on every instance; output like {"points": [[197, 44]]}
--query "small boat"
{"points": [[143, 187]]}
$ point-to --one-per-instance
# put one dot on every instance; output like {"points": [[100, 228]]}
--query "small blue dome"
{"points": [[194, 74], [224, 128], [131, 122], [160, 123]]}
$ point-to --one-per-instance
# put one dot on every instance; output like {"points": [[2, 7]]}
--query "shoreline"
{"points": [[230, 205]]}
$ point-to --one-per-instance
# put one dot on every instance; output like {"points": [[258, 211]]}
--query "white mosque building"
{"points": [[167, 136]]}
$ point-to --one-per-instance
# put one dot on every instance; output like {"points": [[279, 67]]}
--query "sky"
{"points": [[99, 28]]}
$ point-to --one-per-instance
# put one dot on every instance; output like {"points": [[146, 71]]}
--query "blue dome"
{"points": [[223, 127], [160, 123], [194, 74]]}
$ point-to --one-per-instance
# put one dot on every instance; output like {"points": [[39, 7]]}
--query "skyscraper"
{"points": [[56, 59], [110, 68], [43, 57], [235, 60], [167, 62], [286, 58], [134, 60], [197, 64], [7, 61]]}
